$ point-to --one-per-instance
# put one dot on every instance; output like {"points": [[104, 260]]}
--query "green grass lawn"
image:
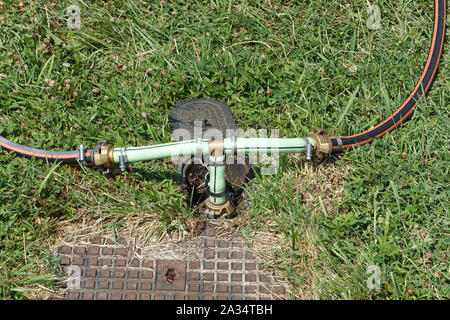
{"points": [[292, 65]]}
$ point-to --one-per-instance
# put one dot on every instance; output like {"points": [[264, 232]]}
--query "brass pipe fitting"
{"points": [[103, 155], [322, 145], [216, 148], [217, 210]]}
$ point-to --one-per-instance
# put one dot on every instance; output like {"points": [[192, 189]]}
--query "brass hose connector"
{"points": [[216, 147], [103, 155], [217, 210], [322, 145]]}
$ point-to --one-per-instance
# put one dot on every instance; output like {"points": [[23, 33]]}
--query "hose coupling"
{"points": [[217, 210], [103, 156], [322, 145]]}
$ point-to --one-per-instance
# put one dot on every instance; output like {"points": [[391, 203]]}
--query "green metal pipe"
{"points": [[160, 151], [266, 145], [191, 147], [217, 182]]}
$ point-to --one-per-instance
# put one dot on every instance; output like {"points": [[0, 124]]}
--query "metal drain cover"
{"points": [[212, 114], [209, 266]]}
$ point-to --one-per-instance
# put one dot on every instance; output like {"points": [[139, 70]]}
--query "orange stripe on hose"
{"points": [[73, 155], [415, 89], [430, 55]]}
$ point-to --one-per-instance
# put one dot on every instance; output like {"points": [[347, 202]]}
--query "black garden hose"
{"points": [[419, 91], [65, 157]]}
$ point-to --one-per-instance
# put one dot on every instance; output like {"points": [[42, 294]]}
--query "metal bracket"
{"points": [[81, 151], [199, 150], [308, 149], [339, 141], [234, 145], [123, 159]]}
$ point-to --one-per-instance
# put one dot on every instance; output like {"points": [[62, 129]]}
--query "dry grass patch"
{"points": [[280, 221]]}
